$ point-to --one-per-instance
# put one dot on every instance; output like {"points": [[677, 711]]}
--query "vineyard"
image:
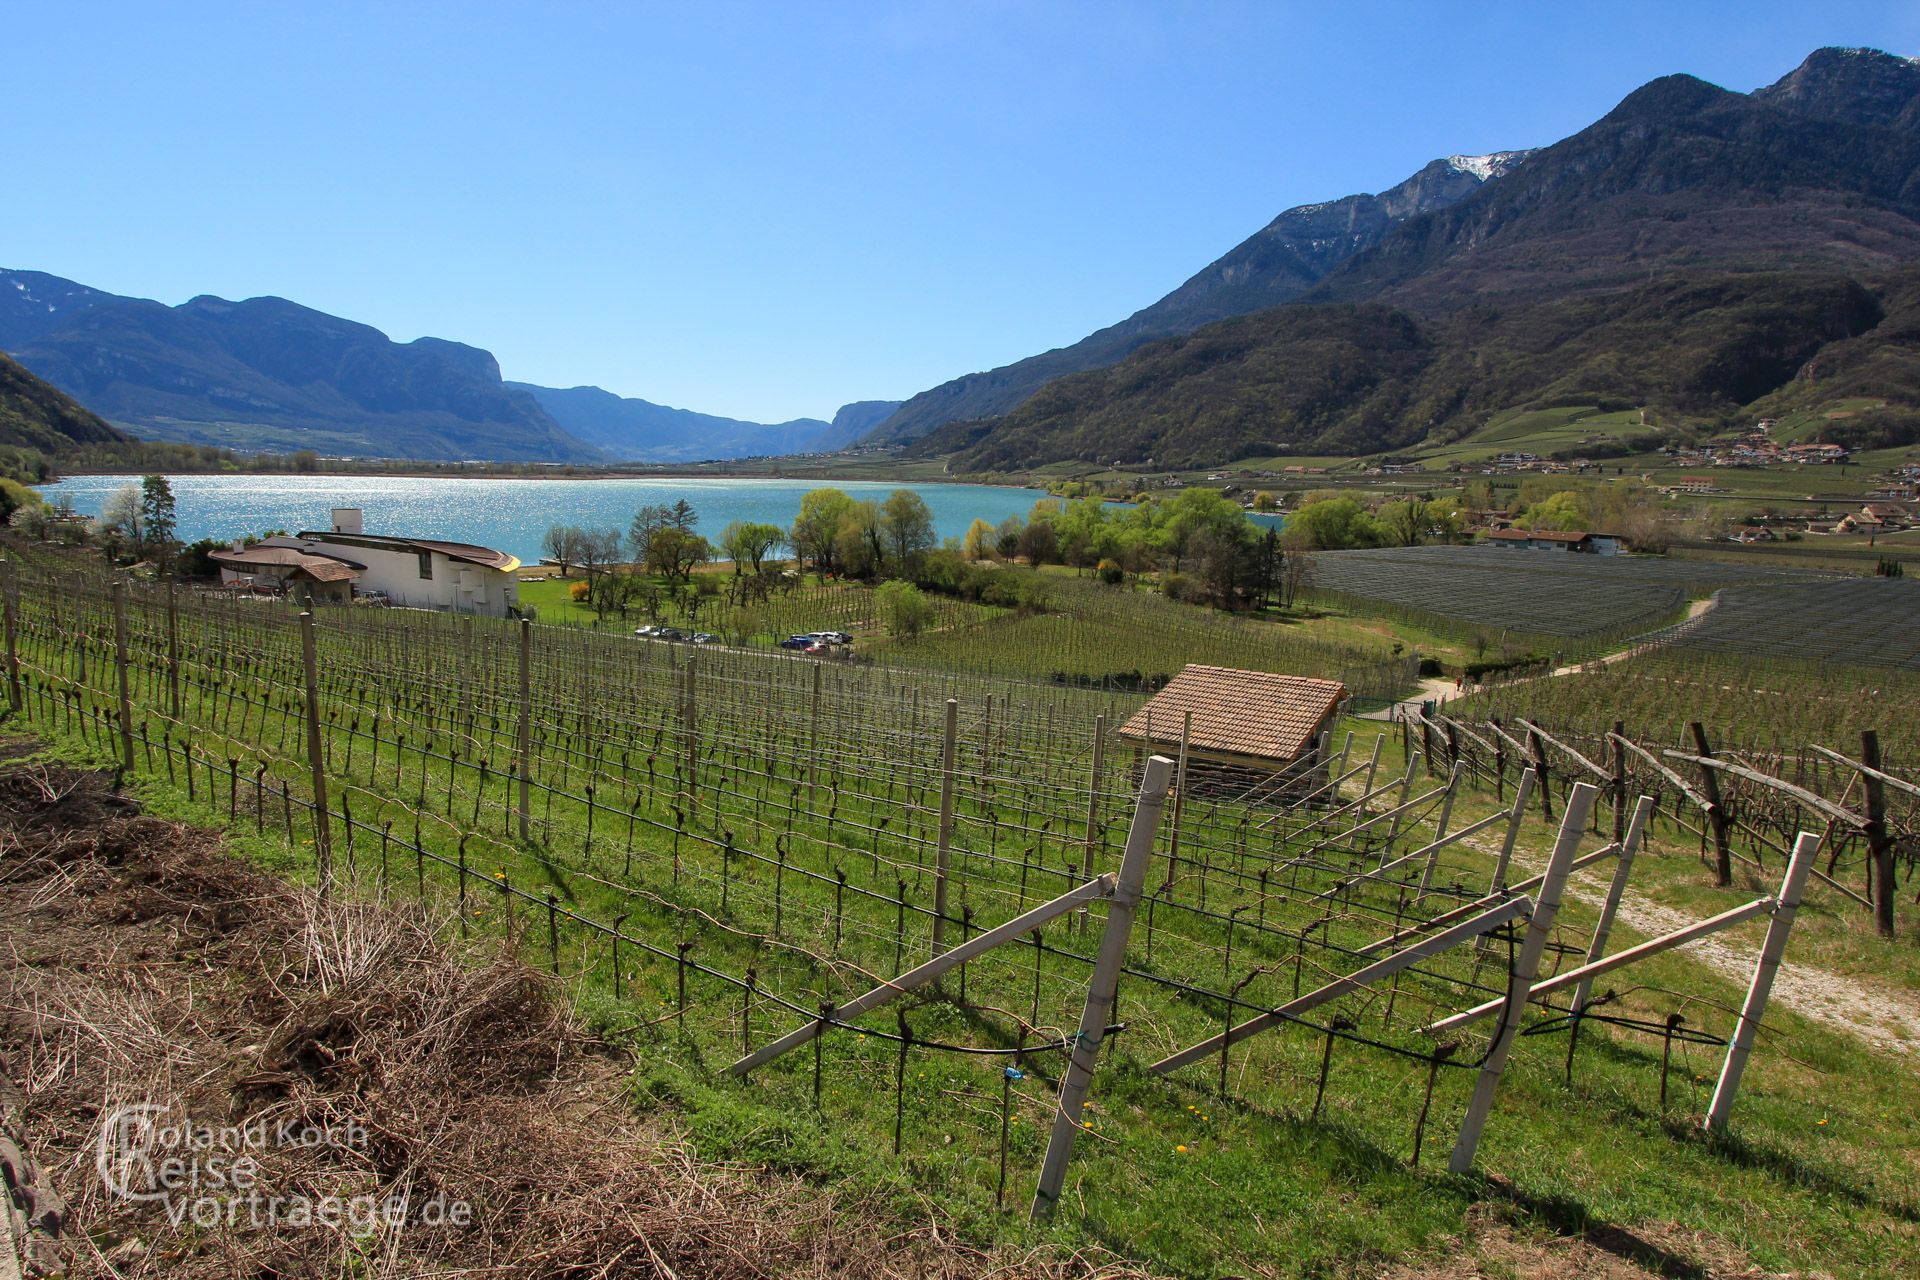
{"points": [[1002, 946], [1847, 622], [1087, 634], [1529, 594], [1768, 705]]}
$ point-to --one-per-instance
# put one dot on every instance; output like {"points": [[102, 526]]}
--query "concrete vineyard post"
{"points": [[1106, 977], [1622, 872], [1754, 1009], [1546, 905]]}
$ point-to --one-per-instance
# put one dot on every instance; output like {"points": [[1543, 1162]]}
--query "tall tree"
{"points": [[908, 524], [118, 524], [647, 521], [157, 517], [816, 530], [749, 542], [560, 544]]}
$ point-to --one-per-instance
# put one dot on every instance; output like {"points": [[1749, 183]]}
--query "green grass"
{"points": [[1542, 431]]}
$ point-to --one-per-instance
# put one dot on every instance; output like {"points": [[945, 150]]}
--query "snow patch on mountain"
{"points": [[1491, 165]]}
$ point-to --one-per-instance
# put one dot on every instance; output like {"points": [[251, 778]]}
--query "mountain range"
{"points": [[269, 374], [1276, 264], [1770, 234], [618, 425]]}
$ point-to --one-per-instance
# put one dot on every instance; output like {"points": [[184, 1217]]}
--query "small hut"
{"points": [[1240, 728]]}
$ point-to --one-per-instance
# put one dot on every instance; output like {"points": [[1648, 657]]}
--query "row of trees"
{"points": [[1201, 541]]}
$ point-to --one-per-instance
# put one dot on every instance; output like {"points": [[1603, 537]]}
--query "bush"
{"points": [[1430, 667], [904, 611], [1109, 572], [579, 591]]}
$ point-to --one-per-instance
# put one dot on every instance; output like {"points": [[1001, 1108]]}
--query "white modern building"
{"points": [[419, 573]]}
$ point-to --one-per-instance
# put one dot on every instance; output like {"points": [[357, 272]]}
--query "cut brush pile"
{"points": [[350, 1052]]}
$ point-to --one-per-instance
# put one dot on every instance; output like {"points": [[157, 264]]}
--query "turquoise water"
{"points": [[510, 515]]}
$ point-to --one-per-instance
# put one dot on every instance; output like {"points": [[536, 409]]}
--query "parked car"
{"points": [[669, 633], [835, 637], [797, 642], [704, 637], [648, 633]]}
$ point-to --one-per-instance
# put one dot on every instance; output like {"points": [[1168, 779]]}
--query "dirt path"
{"points": [[1440, 690], [1887, 1020], [1884, 1019], [1694, 610]]}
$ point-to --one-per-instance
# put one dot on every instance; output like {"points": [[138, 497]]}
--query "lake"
{"points": [[511, 515]]}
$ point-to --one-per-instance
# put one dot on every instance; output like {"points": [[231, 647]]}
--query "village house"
{"points": [[346, 561], [1816, 453], [1597, 544]]}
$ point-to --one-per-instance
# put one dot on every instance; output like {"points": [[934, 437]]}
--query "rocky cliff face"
{"points": [[268, 373], [1276, 264]]}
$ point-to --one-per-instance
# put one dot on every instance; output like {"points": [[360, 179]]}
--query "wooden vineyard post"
{"points": [[689, 714], [1716, 810], [120, 671], [943, 847], [1093, 804], [1619, 781], [1546, 904], [523, 733], [1538, 749], [1879, 843], [813, 737], [1754, 1009], [316, 760], [9, 590], [173, 648], [1106, 976]]}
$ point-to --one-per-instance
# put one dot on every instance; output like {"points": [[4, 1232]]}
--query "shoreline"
{"points": [[825, 480]]}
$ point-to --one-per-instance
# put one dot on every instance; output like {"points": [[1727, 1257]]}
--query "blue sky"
{"points": [[764, 210]]}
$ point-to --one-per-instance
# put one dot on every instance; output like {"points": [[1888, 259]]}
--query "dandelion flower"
{"points": [[1181, 1148]]}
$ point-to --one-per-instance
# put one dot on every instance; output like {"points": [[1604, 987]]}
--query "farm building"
{"points": [[1596, 544], [419, 573], [282, 565], [1240, 727]]}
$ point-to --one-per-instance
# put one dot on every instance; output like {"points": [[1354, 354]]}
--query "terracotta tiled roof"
{"points": [[1248, 713], [273, 555]]}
